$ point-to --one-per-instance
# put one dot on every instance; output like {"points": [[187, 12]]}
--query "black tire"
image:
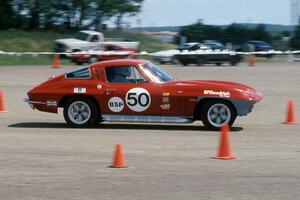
{"points": [[218, 64], [208, 108], [200, 61], [233, 62], [174, 61], [184, 63], [91, 120], [78, 62]]}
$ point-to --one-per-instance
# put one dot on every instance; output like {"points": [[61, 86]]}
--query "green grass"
{"points": [[35, 41]]}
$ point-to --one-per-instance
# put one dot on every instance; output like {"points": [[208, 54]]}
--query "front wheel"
{"points": [[81, 112], [216, 113]]}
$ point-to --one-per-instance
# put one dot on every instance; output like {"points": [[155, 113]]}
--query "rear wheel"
{"points": [[81, 112], [184, 63], [233, 62], [216, 113]]}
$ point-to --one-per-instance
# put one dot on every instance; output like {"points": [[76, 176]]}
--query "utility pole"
{"points": [[295, 12]]}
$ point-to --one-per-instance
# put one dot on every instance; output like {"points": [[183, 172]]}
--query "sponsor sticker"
{"points": [[138, 99], [165, 106], [165, 99], [116, 104], [217, 93], [80, 90]]}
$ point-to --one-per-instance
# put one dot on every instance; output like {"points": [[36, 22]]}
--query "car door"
{"points": [[128, 92]]}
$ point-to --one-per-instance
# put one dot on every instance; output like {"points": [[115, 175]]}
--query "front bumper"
{"points": [[243, 107]]}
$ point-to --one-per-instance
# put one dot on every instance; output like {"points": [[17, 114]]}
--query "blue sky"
{"points": [[218, 12]]}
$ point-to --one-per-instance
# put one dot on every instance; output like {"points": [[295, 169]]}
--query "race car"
{"points": [[102, 52], [133, 90]]}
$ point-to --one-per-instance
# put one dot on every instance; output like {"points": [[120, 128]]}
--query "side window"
{"points": [[124, 74], [94, 38], [80, 73]]}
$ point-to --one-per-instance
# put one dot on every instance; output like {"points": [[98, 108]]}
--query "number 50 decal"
{"points": [[138, 99]]}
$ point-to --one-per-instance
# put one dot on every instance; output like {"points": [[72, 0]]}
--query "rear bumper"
{"points": [[33, 103], [45, 106]]}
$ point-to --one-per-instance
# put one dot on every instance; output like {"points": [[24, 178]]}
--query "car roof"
{"points": [[119, 62], [90, 32]]}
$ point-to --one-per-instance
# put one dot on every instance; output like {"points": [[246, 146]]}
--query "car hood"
{"points": [[70, 41], [213, 83], [216, 89]]}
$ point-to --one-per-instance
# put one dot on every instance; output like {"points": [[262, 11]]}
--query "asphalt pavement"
{"points": [[43, 158]]}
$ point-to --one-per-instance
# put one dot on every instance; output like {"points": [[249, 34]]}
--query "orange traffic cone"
{"points": [[251, 60], [2, 107], [56, 62], [119, 158], [224, 152], [291, 113]]}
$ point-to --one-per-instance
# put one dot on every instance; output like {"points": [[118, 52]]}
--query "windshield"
{"points": [[81, 36], [155, 73]]}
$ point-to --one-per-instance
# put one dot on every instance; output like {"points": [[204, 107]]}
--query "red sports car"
{"points": [[102, 52], [132, 90]]}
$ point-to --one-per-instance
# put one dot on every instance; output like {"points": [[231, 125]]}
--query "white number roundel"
{"points": [[116, 104], [138, 99]]}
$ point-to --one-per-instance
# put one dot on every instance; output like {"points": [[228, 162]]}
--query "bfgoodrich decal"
{"points": [[218, 93]]}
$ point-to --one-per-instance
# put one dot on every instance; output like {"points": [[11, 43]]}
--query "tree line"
{"points": [[69, 14], [235, 34]]}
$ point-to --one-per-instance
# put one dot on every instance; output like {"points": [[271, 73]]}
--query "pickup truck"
{"points": [[87, 39]]}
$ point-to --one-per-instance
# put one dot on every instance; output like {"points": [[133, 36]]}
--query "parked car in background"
{"points": [[209, 57], [168, 56], [210, 52], [87, 39], [102, 52], [258, 46]]}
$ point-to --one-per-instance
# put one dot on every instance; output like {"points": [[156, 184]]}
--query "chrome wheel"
{"points": [[218, 114], [79, 112]]}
